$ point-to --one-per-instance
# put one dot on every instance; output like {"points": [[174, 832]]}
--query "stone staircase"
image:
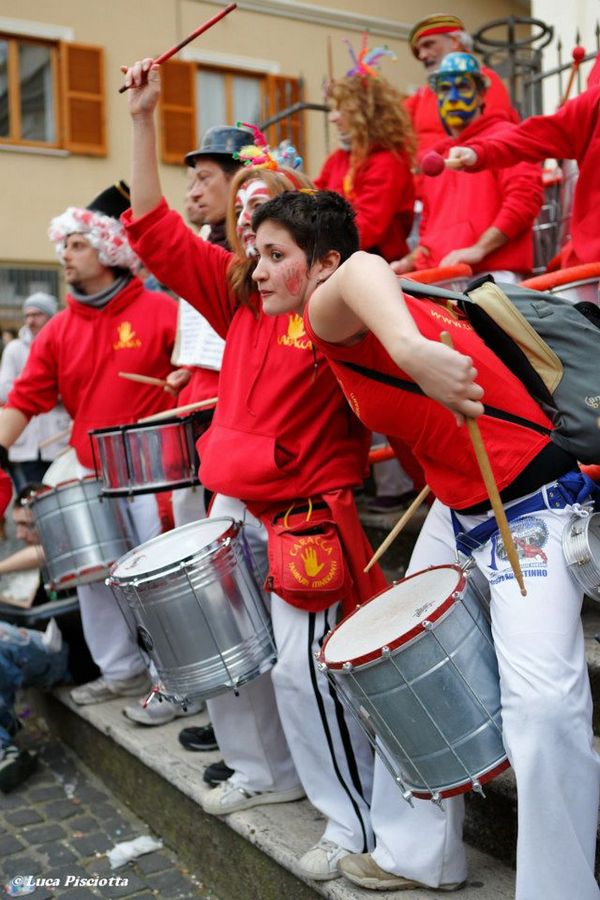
{"points": [[252, 855]]}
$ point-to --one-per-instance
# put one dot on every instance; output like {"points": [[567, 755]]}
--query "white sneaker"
{"points": [[100, 690], [52, 637], [321, 862], [228, 798], [159, 712]]}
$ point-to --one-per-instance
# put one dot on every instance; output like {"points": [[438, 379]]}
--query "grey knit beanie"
{"points": [[46, 303]]}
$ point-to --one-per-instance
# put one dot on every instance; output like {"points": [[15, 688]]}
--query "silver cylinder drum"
{"points": [[199, 611], [417, 666], [149, 456], [581, 548], [82, 535]]}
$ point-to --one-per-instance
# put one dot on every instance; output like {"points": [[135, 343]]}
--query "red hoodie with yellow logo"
{"points": [[80, 352]]}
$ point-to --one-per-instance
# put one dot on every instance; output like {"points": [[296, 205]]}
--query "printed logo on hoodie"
{"points": [[127, 338]]}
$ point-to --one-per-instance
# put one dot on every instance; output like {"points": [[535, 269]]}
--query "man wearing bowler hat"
{"points": [[110, 324]]}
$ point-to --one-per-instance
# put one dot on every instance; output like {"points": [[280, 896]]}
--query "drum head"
{"points": [[393, 617], [64, 468], [167, 549]]}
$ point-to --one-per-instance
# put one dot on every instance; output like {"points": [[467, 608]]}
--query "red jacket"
{"points": [[78, 354], [281, 429], [571, 133], [428, 428], [383, 198], [422, 107], [459, 207]]}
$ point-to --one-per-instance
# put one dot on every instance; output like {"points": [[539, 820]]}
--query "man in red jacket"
{"points": [[430, 40], [111, 324], [570, 133], [484, 222]]}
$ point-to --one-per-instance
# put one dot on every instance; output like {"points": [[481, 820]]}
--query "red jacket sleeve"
{"points": [[194, 269], [322, 180], [564, 135], [522, 196], [36, 390], [383, 188]]}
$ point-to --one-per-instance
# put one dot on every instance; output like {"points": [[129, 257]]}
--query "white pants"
{"points": [[112, 644], [546, 716], [288, 726], [188, 505]]}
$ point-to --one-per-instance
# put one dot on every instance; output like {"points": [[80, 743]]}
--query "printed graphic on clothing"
{"points": [[313, 562], [128, 339], [530, 535], [296, 335]]}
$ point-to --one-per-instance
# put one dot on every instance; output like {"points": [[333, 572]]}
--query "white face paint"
{"points": [[250, 195]]}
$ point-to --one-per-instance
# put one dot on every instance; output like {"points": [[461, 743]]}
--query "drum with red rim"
{"points": [[417, 667]]}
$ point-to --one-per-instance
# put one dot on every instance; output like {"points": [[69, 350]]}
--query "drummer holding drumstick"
{"points": [[546, 701], [111, 323]]}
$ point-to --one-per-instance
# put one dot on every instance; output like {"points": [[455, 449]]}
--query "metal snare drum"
{"points": [[82, 535], [581, 549], [416, 665], [148, 457], [199, 611]]}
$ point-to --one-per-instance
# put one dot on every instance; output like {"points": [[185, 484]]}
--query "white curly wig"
{"points": [[104, 233]]}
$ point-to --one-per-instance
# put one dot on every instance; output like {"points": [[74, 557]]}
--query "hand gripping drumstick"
{"points": [[488, 478], [143, 379], [434, 164], [398, 527], [169, 53], [178, 410]]}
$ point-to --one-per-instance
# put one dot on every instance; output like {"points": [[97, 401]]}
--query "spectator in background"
{"points": [[372, 168], [431, 39], [29, 460], [484, 221], [7, 335]]}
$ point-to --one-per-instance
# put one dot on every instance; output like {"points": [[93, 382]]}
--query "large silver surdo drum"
{"points": [[147, 457], [198, 609], [82, 535], [581, 549], [417, 667]]}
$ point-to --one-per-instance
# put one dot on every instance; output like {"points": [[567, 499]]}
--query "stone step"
{"points": [[251, 854]]}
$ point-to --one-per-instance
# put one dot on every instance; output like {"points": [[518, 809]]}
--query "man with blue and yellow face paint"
{"points": [[459, 87], [487, 223]]}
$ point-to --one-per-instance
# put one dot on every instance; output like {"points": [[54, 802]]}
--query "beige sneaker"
{"points": [[361, 869], [161, 712], [101, 690], [228, 798]]}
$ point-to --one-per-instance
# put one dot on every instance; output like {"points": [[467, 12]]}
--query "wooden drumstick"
{"points": [[178, 410], [490, 484], [398, 527], [143, 379], [578, 55]]}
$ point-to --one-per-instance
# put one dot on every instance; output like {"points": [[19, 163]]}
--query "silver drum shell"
{"points": [[581, 549], [201, 618], [434, 703], [82, 534], [147, 457]]}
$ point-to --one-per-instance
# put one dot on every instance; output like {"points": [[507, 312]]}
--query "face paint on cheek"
{"points": [[294, 279]]}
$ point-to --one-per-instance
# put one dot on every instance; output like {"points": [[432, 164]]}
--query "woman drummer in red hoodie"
{"points": [[284, 452], [544, 685]]}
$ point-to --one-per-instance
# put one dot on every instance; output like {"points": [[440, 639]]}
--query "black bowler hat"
{"points": [[222, 140], [113, 201]]}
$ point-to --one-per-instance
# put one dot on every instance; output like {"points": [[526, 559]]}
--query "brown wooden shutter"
{"points": [[177, 111], [83, 99], [281, 93]]}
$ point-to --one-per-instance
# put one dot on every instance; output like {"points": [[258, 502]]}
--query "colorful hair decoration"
{"points": [[365, 62], [259, 156]]}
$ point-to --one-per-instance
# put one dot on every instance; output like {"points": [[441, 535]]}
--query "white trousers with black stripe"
{"points": [[287, 726]]}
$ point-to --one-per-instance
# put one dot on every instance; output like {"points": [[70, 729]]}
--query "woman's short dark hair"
{"points": [[318, 221]]}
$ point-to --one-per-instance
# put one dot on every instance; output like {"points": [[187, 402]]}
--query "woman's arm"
{"points": [[364, 294], [143, 79]]}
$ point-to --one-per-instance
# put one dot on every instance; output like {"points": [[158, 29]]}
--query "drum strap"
{"points": [[573, 489]]}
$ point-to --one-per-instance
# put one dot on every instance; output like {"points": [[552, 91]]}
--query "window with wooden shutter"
{"points": [[83, 99], [281, 93], [177, 111]]}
